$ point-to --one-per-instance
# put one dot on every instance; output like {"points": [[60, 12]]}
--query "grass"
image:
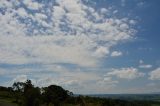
{"points": [[7, 102]]}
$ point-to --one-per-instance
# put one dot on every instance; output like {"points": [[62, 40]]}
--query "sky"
{"points": [[85, 46]]}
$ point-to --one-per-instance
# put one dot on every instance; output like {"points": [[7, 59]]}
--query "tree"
{"points": [[54, 94], [18, 88], [26, 94], [31, 94], [81, 100]]}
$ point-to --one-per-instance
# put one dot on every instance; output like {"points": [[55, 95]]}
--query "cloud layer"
{"points": [[126, 73], [68, 40], [155, 74], [66, 32]]}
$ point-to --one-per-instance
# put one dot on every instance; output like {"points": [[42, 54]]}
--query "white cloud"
{"points": [[32, 4], [115, 11], [58, 13], [132, 22], [126, 73], [108, 80], [70, 32], [5, 3], [145, 66], [73, 6], [40, 16], [74, 36], [44, 75], [22, 12], [10, 25], [142, 65], [20, 78], [104, 85], [141, 61], [155, 74], [116, 53], [101, 51], [104, 11]]}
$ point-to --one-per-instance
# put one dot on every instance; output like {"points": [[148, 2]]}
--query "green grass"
{"points": [[156, 105], [7, 102]]}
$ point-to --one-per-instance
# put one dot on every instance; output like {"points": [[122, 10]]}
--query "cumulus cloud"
{"points": [[126, 73], [22, 12], [142, 65], [116, 53], [145, 66], [71, 31], [107, 81], [32, 4], [20, 78], [141, 62], [59, 32], [101, 51], [104, 11], [155, 74], [72, 79]]}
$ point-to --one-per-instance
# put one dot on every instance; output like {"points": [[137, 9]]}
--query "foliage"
{"points": [[26, 94], [54, 94]]}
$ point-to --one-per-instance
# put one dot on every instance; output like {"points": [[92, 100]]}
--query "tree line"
{"points": [[26, 94]]}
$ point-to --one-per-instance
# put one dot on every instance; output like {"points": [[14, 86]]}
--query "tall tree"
{"points": [[18, 88], [31, 94], [54, 94]]}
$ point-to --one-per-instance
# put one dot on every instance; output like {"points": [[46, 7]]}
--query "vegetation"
{"points": [[26, 94]]}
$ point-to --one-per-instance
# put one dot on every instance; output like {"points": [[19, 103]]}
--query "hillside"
{"points": [[25, 94]]}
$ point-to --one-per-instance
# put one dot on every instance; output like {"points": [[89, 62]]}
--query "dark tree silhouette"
{"points": [[26, 94], [31, 94], [18, 88], [54, 94]]}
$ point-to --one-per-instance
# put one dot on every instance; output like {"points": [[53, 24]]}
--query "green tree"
{"points": [[26, 94], [31, 94], [54, 94], [18, 88]]}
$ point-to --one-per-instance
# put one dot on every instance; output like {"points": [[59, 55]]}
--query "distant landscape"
{"points": [[79, 52], [26, 94], [150, 97]]}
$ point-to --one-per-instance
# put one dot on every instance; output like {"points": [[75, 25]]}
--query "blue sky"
{"points": [[85, 46]]}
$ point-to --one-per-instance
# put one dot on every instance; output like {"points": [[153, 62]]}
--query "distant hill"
{"points": [[26, 94], [153, 96]]}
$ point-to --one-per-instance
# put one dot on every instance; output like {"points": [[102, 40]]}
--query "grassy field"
{"points": [[7, 102]]}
